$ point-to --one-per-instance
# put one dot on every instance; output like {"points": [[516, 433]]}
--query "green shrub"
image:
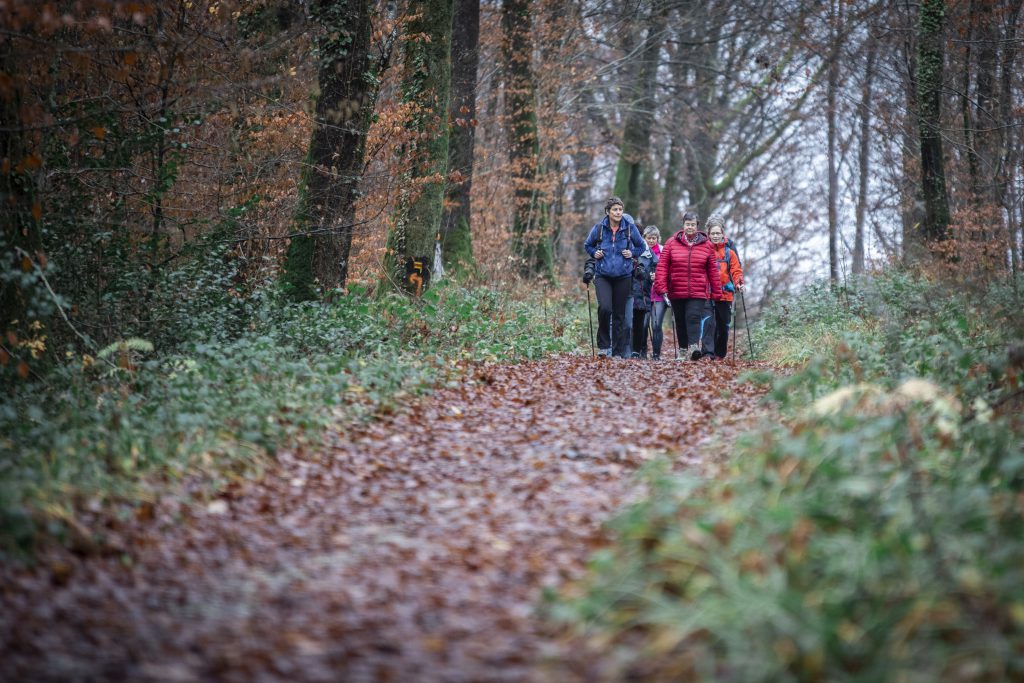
{"points": [[222, 398], [876, 536]]}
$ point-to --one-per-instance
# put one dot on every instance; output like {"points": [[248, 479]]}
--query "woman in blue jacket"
{"points": [[613, 243]]}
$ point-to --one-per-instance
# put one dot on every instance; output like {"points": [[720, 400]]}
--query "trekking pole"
{"points": [[590, 315], [746, 320], [675, 342], [650, 326]]}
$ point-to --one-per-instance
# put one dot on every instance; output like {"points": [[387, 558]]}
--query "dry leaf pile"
{"points": [[411, 548]]}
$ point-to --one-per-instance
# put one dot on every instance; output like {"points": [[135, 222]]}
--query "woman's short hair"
{"points": [[691, 216], [652, 230], [612, 201], [713, 220]]}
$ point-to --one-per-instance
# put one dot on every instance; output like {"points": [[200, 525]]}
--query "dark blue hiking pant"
{"points": [[612, 295]]}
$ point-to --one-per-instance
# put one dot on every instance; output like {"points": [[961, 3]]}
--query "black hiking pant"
{"points": [[723, 321], [640, 318], [612, 293], [694, 323]]}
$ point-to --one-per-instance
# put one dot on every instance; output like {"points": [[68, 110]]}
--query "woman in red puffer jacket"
{"points": [[688, 275]]}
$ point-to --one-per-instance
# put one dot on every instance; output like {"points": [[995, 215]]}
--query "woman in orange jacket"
{"points": [[731, 274]]}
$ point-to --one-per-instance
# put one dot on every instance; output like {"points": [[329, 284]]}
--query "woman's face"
{"points": [[716, 235], [652, 239], [689, 228], [615, 213]]}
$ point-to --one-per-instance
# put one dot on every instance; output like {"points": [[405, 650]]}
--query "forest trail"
{"points": [[414, 547]]}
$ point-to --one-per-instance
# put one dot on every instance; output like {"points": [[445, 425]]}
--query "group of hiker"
{"points": [[637, 278]]}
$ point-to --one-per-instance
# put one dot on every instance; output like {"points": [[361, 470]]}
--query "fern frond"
{"points": [[125, 345]]}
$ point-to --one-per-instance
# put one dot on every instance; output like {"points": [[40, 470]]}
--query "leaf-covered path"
{"points": [[413, 548]]}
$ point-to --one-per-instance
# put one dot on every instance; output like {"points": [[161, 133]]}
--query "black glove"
{"points": [[588, 270]]}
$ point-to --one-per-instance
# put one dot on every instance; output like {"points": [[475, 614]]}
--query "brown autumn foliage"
{"points": [[975, 252]]}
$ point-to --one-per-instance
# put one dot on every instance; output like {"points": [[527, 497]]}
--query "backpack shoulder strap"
{"points": [[729, 244]]}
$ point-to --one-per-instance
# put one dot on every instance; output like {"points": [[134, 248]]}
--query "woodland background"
{"points": [[209, 214], [142, 138]]}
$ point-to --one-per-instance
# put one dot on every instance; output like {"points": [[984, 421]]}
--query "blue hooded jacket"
{"points": [[628, 236]]}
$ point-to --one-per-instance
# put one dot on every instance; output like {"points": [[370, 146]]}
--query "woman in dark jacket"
{"points": [[643, 281], [613, 242], [688, 275]]}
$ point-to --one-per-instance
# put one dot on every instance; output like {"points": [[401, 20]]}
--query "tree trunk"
{"points": [[634, 175], [671, 196], [911, 195], [20, 290], [985, 124], [702, 147], [969, 122], [456, 233], [582, 162], [426, 84], [835, 31], [318, 255], [930, 33], [531, 239], [1010, 151], [864, 156]]}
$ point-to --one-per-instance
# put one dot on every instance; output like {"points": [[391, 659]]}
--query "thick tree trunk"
{"points": [[672, 194], [318, 255], [702, 147], [456, 233], [583, 162], [427, 83], [930, 33], [531, 238], [634, 174], [911, 195], [21, 243]]}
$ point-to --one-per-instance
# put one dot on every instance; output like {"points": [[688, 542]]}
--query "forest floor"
{"points": [[412, 547]]}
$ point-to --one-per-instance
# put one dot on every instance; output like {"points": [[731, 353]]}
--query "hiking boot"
{"points": [[693, 352], [655, 356], [604, 352]]}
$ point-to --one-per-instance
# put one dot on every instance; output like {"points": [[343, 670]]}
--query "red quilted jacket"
{"points": [[688, 271]]}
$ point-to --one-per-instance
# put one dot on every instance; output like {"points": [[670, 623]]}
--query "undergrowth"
{"points": [[244, 377], [876, 535]]}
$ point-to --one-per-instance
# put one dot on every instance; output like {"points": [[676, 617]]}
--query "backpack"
{"points": [[729, 244], [730, 247]]}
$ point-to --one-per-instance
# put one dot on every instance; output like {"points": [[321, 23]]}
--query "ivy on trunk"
{"points": [[318, 255], [426, 85]]}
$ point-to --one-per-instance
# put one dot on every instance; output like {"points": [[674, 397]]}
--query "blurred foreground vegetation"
{"points": [[876, 535]]}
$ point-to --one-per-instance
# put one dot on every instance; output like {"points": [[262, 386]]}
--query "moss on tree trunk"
{"points": [[318, 254], [456, 233], [426, 84], [531, 234]]}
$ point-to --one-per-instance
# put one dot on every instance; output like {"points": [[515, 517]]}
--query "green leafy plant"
{"points": [[251, 375], [876, 535]]}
